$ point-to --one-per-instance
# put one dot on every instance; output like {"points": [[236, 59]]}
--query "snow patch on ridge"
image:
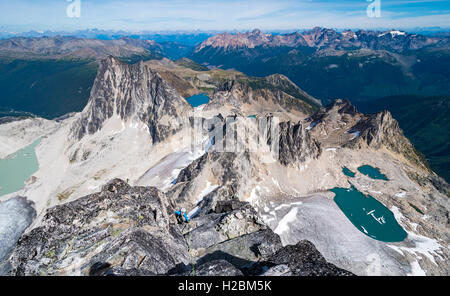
{"points": [[283, 225], [207, 190], [422, 245]]}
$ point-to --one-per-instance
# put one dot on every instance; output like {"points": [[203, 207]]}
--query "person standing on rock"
{"points": [[182, 216]]}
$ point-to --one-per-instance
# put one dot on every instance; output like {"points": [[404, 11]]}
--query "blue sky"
{"points": [[138, 15]]}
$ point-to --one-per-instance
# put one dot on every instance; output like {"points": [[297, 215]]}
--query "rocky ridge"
{"points": [[126, 230]]}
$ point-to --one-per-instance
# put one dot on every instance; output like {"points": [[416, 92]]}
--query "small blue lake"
{"points": [[372, 172], [198, 100], [252, 116], [368, 215], [16, 168], [348, 172]]}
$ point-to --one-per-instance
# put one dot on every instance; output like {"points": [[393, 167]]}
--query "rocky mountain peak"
{"points": [[133, 93], [256, 32], [382, 130]]}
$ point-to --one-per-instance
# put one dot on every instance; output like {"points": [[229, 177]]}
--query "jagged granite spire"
{"points": [[382, 130], [132, 92]]}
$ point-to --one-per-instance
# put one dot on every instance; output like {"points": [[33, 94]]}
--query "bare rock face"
{"points": [[123, 226], [239, 222], [382, 130], [133, 93], [229, 169], [340, 123], [296, 144], [319, 39], [244, 251], [213, 228], [338, 109], [130, 231]]}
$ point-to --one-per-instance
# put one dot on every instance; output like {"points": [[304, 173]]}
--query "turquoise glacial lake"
{"points": [[348, 172], [16, 168], [372, 172], [198, 100], [368, 215]]}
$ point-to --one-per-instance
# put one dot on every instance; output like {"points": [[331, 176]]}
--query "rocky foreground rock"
{"points": [[127, 231]]}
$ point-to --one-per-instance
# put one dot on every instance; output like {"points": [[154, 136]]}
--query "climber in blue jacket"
{"points": [[181, 216]]}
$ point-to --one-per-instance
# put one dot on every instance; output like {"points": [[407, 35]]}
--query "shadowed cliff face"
{"points": [[133, 93]]}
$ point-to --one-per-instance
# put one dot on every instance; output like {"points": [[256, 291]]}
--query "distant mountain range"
{"points": [[323, 39], [328, 64], [83, 48], [191, 38]]}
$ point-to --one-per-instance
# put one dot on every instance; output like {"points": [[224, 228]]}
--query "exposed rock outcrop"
{"points": [[125, 230], [303, 259], [296, 144], [121, 225], [337, 116], [129, 231], [341, 123]]}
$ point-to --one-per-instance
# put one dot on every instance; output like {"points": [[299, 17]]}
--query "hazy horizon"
{"points": [[199, 31]]}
